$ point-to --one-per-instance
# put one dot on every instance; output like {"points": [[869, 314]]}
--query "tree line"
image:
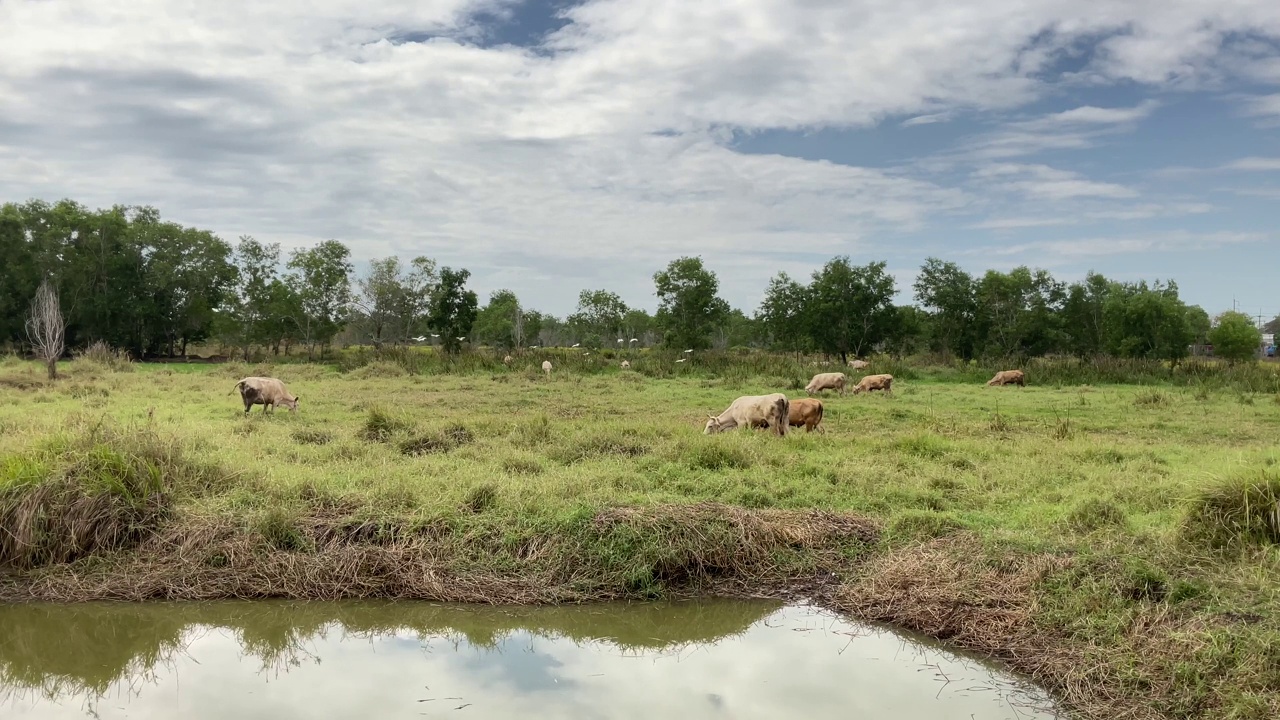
{"points": [[127, 278]]}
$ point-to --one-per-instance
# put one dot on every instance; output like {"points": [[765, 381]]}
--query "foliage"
{"points": [[322, 278], [1234, 337], [452, 310], [689, 311]]}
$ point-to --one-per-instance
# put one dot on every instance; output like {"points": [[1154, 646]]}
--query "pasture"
{"points": [[1113, 541]]}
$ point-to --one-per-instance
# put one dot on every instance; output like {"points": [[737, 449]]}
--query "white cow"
{"points": [[546, 367], [750, 411], [826, 381]]}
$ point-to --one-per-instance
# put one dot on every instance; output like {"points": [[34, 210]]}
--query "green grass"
{"points": [[1155, 497]]}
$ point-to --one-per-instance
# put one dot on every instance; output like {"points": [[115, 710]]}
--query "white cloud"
{"points": [[1254, 164], [1074, 249], [585, 160], [1263, 106], [1044, 182]]}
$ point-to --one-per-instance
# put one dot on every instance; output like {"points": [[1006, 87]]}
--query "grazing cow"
{"points": [[806, 412], [859, 364], [826, 381], [265, 391], [751, 411], [1009, 377], [507, 360], [874, 382], [546, 367], [626, 364]]}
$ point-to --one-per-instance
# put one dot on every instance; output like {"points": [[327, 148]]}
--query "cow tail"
{"points": [[237, 387], [821, 410], [782, 408]]}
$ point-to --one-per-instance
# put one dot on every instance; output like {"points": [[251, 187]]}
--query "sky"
{"points": [[555, 146]]}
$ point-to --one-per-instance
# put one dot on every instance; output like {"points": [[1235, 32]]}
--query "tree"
{"points": [[251, 313], [322, 278], [689, 311], [452, 309], [850, 307], [1200, 324], [1082, 316], [46, 327], [951, 295], [599, 318], [1142, 321], [1019, 313], [908, 332], [1234, 337], [783, 313], [501, 322]]}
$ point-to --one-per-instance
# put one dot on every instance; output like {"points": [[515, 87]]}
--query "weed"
{"points": [[1151, 398], [924, 446], [481, 498], [312, 436], [522, 466], [380, 425], [450, 437], [919, 525], [1095, 513], [104, 356], [716, 455]]}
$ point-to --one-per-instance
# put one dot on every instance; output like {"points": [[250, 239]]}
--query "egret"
{"points": [[686, 352], [575, 345]]}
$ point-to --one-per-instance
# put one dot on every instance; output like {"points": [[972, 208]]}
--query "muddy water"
{"points": [[274, 660]]}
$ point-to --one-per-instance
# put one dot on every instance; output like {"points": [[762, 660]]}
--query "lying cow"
{"points": [[626, 365], [752, 411], [874, 382], [1009, 377], [826, 381], [267, 392]]}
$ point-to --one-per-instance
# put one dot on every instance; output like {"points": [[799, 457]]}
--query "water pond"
{"points": [[273, 660]]}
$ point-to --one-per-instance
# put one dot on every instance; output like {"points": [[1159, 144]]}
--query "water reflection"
{"points": [[704, 659]]}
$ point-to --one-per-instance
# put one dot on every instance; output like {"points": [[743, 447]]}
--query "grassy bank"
{"points": [[1115, 542]]}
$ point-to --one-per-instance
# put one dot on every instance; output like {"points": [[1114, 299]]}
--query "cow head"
{"points": [[292, 404], [713, 425]]}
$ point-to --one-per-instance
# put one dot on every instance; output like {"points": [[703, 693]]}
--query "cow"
{"points": [[806, 412], [1009, 377], [546, 367], [874, 382], [265, 391], [507, 360], [626, 365], [826, 381], [752, 411], [859, 364]]}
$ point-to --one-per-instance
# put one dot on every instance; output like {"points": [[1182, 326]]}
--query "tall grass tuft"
{"points": [[1237, 512], [105, 356], [381, 425]]}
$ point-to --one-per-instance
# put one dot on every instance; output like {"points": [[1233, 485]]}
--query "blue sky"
{"points": [[551, 147]]}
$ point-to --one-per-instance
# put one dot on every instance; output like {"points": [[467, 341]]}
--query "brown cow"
{"points": [[874, 382], [806, 412], [265, 391], [1009, 377]]}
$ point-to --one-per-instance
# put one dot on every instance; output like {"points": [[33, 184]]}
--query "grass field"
{"points": [[1116, 542]]}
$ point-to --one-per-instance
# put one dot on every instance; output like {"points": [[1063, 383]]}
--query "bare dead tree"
{"points": [[45, 327]]}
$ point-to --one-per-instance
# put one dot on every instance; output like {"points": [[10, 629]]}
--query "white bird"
{"points": [[620, 341], [575, 345], [464, 337], [435, 334], [686, 352], [681, 360], [533, 347], [585, 354], [635, 339], [420, 338]]}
